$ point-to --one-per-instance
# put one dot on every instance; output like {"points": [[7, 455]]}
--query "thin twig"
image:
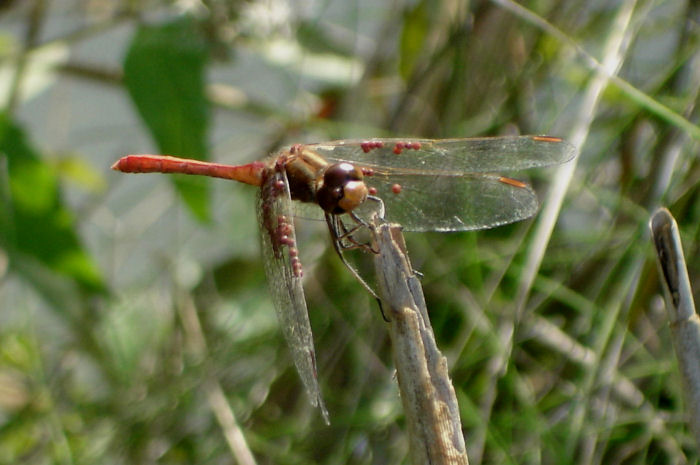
{"points": [[429, 400]]}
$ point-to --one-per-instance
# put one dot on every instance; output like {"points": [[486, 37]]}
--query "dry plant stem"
{"points": [[429, 400], [685, 324], [196, 344]]}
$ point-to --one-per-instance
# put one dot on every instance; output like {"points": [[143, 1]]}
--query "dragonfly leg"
{"points": [[336, 238], [342, 233], [346, 234], [360, 222]]}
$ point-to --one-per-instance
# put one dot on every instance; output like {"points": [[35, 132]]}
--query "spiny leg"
{"points": [[342, 233], [338, 247]]}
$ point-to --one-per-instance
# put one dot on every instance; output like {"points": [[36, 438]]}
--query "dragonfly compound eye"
{"points": [[342, 190]]}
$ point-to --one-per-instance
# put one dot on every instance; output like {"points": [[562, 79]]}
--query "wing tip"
{"points": [[568, 152]]}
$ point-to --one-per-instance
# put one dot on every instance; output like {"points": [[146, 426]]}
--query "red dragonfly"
{"points": [[422, 184]]}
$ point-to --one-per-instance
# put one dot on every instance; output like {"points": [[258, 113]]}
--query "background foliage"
{"points": [[134, 308]]}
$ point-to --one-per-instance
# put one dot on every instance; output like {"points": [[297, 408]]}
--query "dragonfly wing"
{"points": [[308, 211], [283, 270], [474, 155], [438, 202]]}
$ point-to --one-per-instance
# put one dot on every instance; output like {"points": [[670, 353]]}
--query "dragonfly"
{"points": [[421, 184]]}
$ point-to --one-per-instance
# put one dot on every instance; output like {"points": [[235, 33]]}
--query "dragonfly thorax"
{"points": [[342, 189]]}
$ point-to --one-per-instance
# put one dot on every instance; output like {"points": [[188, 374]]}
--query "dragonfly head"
{"points": [[342, 190]]}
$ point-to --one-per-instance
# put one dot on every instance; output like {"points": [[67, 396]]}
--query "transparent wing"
{"points": [[308, 211], [439, 202], [283, 270], [475, 155]]}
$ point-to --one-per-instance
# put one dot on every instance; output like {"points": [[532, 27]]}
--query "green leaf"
{"points": [[35, 225], [164, 71]]}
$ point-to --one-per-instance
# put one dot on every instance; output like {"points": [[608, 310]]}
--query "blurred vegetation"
{"points": [[130, 303]]}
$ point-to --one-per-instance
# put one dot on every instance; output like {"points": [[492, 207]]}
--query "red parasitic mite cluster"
{"points": [[284, 237], [296, 263], [371, 144], [278, 184], [396, 188], [367, 171], [400, 146], [284, 229], [295, 148], [372, 191]]}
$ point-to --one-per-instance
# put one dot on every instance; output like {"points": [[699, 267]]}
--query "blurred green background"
{"points": [[134, 312]]}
